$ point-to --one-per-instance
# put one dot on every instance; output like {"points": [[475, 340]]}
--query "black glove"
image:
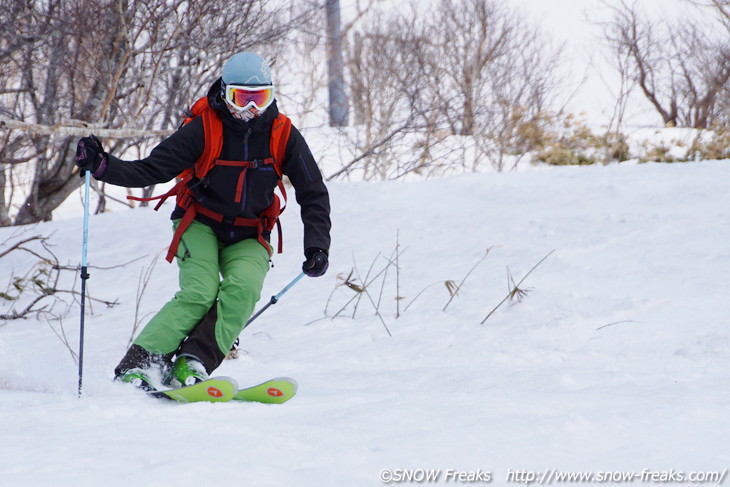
{"points": [[316, 263], [90, 156]]}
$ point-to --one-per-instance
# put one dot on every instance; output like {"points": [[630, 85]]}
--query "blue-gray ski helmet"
{"points": [[246, 68]]}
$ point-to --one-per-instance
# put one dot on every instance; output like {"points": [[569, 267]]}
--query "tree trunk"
{"points": [[338, 109], [49, 189], [5, 220]]}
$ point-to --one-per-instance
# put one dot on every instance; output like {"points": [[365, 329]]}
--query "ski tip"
{"points": [[289, 380], [272, 391]]}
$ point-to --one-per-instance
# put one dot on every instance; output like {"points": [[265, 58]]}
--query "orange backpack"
{"points": [[213, 130]]}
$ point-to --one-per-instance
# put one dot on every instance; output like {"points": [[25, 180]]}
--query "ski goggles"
{"points": [[242, 97]]}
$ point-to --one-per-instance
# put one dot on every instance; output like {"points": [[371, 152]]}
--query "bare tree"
{"points": [[386, 61], [41, 72], [721, 11], [720, 7], [113, 64], [516, 98], [460, 68], [680, 67], [470, 36]]}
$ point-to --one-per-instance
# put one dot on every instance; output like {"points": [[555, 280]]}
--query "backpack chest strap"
{"points": [[245, 165]]}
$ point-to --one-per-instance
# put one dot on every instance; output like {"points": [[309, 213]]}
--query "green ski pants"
{"points": [[209, 269]]}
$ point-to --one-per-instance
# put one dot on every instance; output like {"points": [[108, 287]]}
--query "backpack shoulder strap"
{"points": [[196, 110], [280, 131], [213, 132]]}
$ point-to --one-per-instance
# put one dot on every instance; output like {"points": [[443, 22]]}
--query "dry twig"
{"points": [[455, 292], [512, 292]]}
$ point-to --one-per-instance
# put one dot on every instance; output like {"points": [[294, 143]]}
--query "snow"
{"points": [[615, 360]]}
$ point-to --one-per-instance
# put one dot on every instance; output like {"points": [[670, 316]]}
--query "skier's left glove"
{"points": [[90, 156], [316, 263]]}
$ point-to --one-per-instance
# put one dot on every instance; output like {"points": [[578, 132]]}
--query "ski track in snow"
{"points": [[616, 359]]}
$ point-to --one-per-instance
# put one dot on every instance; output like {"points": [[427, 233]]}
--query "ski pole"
{"points": [[84, 274], [274, 299]]}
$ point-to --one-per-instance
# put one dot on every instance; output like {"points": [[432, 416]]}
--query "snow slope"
{"points": [[617, 359]]}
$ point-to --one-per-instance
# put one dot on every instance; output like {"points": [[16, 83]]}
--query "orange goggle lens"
{"points": [[245, 96]]}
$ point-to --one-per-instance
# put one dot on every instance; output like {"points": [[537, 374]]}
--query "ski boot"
{"points": [[142, 369], [139, 378], [187, 371]]}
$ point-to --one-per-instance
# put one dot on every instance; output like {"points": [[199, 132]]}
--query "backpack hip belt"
{"points": [[262, 225]]}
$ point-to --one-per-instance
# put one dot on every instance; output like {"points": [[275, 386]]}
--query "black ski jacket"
{"points": [[242, 141]]}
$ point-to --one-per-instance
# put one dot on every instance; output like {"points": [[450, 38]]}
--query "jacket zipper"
{"points": [[245, 144], [245, 157]]}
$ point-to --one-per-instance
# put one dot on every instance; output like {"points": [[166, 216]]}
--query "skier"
{"points": [[233, 152]]}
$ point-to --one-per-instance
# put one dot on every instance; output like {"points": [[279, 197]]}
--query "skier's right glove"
{"points": [[90, 156], [316, 263]]}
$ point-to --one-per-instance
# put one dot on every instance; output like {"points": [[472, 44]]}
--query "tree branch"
{"points": [[80, 129]]}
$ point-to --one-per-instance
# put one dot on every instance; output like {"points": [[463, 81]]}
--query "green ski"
{"points": [[274, 391], [218, 389]]}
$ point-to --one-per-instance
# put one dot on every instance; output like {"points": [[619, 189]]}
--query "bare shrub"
{"points": [[385, 59], [503, 69], [711, 144], [39, 290], [419, 80]]}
